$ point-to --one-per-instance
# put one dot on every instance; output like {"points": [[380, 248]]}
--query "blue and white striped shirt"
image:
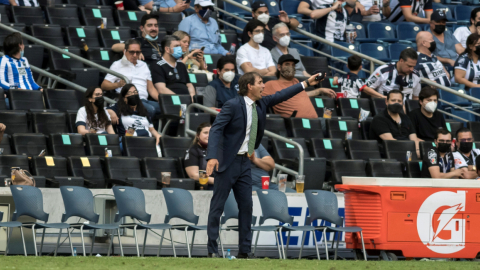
{"points": [[16, 71]]}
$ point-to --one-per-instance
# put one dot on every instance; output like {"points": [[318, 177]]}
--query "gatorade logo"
{"points": [[440, 224]]}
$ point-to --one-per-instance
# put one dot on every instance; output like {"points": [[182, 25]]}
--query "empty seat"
{"points": [[276, 125], [71, 119], [453, 126], [66, 145], [351, 106], [6, 145], [378, 105], [80, 35], [49, 33], [198, 79], [341, 168], [321, 104], [385, 168], [92, 16], [29, 144], [5, 12], [475, 128], [34, 54], [315, 64], [382, 31], [62, 99], [211, 60], [171, 104], [411, 104], [50, 167], [175, 147], [359, 149], [314, 170], [16, 121], [130, 18], [407, 31], [414, 169], [49, 122], [102, 56], [183, 183], [17, 26], [305, 128], [89, 168], [82, 3], [398, 150], [375, 50], [7, 162], [63, 16], [126, 171], [114, 35], [198, 118], [170, 21], [26, 100], [337, 128], [28, 15], [140, 147], [331, 149], [154, 167], [286, 153], [97, 143], [395, 49], [227, 38]]}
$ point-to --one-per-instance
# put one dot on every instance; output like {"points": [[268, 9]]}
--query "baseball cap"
{"points": [[204, 3], [287, 57], [439, 15], [257, 5]]}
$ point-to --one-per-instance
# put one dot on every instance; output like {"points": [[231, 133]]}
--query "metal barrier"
{"points": [[279, 167]]}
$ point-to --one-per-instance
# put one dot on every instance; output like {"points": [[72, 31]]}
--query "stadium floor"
{"points": [[20, 262]]}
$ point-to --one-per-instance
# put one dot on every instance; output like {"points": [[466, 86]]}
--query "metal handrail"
{"points": [[268, 133], [71, 55]]}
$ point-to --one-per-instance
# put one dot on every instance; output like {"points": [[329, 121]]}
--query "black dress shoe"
{"points": [[213, 255], [249, 256]]}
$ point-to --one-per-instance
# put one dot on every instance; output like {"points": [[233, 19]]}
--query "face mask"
{"points": [[124, 59], [177, 52], [150, 38], [228, 76], [395, 108], [465, 147], [284, 41], [258, 38], [439, 29], [477, 50], [21, 53], [264, 18], [444, 147], [99, 102], [205, 13], [288, 72], [352, 5], [433, 46], [431, 106], [133, 100]]}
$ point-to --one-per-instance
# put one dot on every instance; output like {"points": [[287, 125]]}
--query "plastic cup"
{"points": [[265, 182], [300, 183], [282, 182], [340, 95], [119, 5]]}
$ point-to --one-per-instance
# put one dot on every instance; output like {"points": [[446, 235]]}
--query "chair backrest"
{"points": [[16, 121], [183, 183], [170, 20], [342, 168], [9, 161], [88, 34], [29, 144], [63, 16], [312, 128], [411, 105], [49, 122], [381, 30], [93, 16], [153, 167], [130, 18], [274, 205], [130, 203], [42, 168], [284, 150], [62, 99], [114, 35], [140, 147], [91, 171], [28, 202], [313, 64], [314, 170], [378, 105], [340, 53], [97, 143], [398, 150], [407, 30], [175, 147], [171, 104], [179, 205], [48, 33], [78, 202], [66, 145], [101, 56], [338, 127], [122, 167], [453, 126], [26, 100], [6, 144], [385, 168], [374, 50], [331, 149], [414, 169], [323, 205], [362, 149], [351, 106], [276, 125]]}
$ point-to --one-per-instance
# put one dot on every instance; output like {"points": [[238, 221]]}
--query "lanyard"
{"points": [[155, 47]]}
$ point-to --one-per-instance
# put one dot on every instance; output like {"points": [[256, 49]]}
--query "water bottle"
{"points": [[228, 254], [232, 49], [350, 33], [74, 251]]}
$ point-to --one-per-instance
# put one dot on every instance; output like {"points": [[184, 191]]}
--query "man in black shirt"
{"points": [[260, 12], [439, 161], [392, 123], [426, 119], [150, 44]]}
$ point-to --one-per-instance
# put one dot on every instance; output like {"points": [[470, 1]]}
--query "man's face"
{"points": [[256, 89], [133, 53], [227, 67], [406, 67], [260, 11], [433, 98], [287, 70], [433, 23], [428, 40], [175, 43], [477, 19], [256, 31], [150, 28], [443, 138], [281, 32], [395, 98], [464, 137]]}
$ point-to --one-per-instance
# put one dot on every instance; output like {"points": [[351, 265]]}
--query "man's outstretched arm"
{"points": [[289, 92]]}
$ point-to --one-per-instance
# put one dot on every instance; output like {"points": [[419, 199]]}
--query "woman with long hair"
{"points": [[195, 158], [133, 119], [93, 117], [467, 67], [193, 58]]}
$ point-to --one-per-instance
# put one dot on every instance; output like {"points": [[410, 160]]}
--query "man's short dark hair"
{"points": [[408, 53], [394, 92], [473, 14], [225, 60], [245, 80], [252, 24], [441, 131], [167, 40], [147, 17], [462, 130], [11, 44], [427, 92], [131, 42], [354, 62]]}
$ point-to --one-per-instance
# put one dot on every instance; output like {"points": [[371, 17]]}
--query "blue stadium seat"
{"points": [[240, 24], [302, 50], [460, 113], [273, 6], [408, 31], [343, 54], [395, 49], [462, 13], [447, 96], [362, 33], [375, 50], [475, 92], [382, 31], [291, 7], [237, 10]]}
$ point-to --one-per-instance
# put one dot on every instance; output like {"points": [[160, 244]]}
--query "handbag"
{"points": [[22, 177]]}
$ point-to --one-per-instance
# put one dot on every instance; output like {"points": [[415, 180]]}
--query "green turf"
{"points": [[93, 263]]}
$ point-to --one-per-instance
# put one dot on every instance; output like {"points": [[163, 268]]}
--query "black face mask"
{"points": [[439, 29], [477, 50], [99, 101], [465, 147], [444, 147], [133, 100], [395, 108], [433, 46]]}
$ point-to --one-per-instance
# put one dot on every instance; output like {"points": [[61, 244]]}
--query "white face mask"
{"points": [[258, 38], [431, 106], [284, 41], [228, 76], [264, 18]]}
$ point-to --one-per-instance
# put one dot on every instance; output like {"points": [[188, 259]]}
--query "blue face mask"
{"points": [[177, 52], [148, 37], [21, 53], [343, 4]]}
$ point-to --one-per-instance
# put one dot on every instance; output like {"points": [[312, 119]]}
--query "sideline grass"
{"points": [[117, 263]]}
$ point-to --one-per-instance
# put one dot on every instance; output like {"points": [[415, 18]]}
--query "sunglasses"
{"points": [[135, 52]]}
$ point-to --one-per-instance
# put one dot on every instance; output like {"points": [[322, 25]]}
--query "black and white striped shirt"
{"points": [[472, 69], [386, 78], [418, 7], [332, 25], [429, 67]]}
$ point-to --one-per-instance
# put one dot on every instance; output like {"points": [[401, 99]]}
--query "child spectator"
{"points": [[351, 84]]}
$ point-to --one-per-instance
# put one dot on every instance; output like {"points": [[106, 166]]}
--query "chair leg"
{"points": [[301, 248], [58, 242], [221, 244], [34, 240], [161, 243], [338, 242], [173, 244], [83, 241], [41, 245], [316, 244], [278, 245], [256, 241], [288, 242], [23, 241], [326, 243], [136, 242], [9, 235], [93, 242], [193, 241], [111, 244], [363, 246], [144, 242], [119, 242], [333, 240], [281, 241], [186, 242], [70, 241]]}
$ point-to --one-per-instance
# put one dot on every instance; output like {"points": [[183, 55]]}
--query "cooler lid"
{"points": [[411, 182]]}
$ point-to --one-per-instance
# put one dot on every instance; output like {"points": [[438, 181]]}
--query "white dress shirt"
{"points": [[138, 74], [244, 147]]}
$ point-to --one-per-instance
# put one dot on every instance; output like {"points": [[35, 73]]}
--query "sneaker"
{"points": [[249, 256]]}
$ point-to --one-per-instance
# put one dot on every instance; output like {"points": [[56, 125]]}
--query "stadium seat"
{"points": [[27, 15], [92, 16], [49, 33], [169, 21], [378, 105], [82, 3], [453, 126], [363, 149], [63, 16], [454, 99], [29, 144], [475, 128], [91, 171], [97, 143], [337, 128], [365, 128], [385, 168], [302, 50], [382, 31], [17, 26], [342, 168], [304, 128], [3, 105], [56, 167], [398, 150], [126, 171], [276, 125], [395, 49], [287, 154], [375, 50], [62, 99], [466, 116], [198, 79], [425, 146], [361, 31], [411, 104], [16, 121], [314, 170], [154, 167], [414, 169], [66, 145], [331, 149], [462, 12], [6, 145], [291, 7], [322, 103], [102, 56], [343, 54], [198, 118], [88, 34], [236, 10], [315, 64], [130, 18], [175, 147], [170, 105], [211, 65], [34, 54], [49, 122], [5, 13], [229, 37], [407, 31], [71, 120], [7, 162], [140, 147], [351, 106], [115, 35], [26, 100]]}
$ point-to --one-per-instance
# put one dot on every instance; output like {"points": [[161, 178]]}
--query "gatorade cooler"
{"points": [[426, 218]]}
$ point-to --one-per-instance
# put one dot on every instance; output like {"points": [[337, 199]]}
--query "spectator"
{"points": [[300, 102], [169, 5], [465, 156], [395, 76], [139, 75], [392, 123], [373, 13], [14, 68], [131, 117], [427, 120], [195, 157], [170, 75], [261, 164], [24, 3], [462, 33], [137, 5], [93, 117], [224, 87], [202, 29], [428, 65], [438, 162], [447, 47], [253, 57], [408, 10], [351, 84], [194, 60], [281, 35], [149, 43], [261, 13], [467, 67]]}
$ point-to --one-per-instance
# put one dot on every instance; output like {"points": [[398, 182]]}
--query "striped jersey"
{"points": [[386, 78], [350, 85], [332, 25], [429, 67], [16, 71], [27, 3], [417, 6], [472, 69]]}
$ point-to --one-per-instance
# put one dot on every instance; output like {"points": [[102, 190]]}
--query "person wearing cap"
{"points": [[462, 33], [447, 45], [261, 13], [300, 103], [281, 35], [203, 29], [408, 10], [253, 57]]}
